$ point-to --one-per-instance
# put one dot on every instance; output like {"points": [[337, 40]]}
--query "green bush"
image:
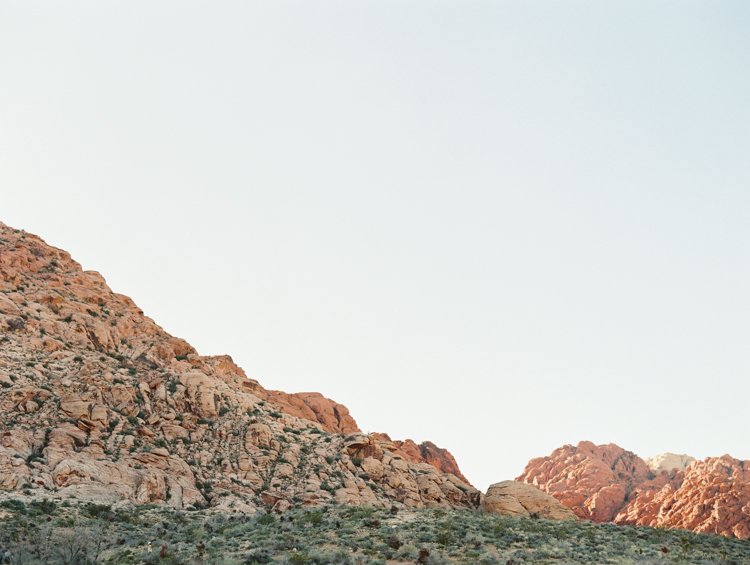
{"points": [[16, 506]]}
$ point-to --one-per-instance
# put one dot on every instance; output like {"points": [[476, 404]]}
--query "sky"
{"points": [[499, 226]]}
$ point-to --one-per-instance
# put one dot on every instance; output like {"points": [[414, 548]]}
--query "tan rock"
{"points": [[668, 462], [258, 435], [519, 499]]}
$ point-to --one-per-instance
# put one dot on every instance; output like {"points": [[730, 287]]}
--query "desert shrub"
{"points": [[407, 552], [259, 557], [266, 519], [44, 506], [16, 506]]}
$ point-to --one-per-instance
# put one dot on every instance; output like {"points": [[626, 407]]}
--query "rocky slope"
{"points": [[607, 483], [101, 403], [426, 452]]}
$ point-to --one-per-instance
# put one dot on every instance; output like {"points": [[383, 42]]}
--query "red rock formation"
{"points": [[714, 497], [593, 481], [606, 483], [426, 452], [333, 417]]}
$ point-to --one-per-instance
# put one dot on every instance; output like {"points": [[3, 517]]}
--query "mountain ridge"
{"points": [[102, 403]]}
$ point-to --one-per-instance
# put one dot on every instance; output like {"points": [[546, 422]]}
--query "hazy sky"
{"points": [[498, 226]]}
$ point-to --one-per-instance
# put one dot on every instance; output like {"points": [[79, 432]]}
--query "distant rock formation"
{"points": [[668, 462], [513, 498], [606, 483], [593, 481], [713, 497]]}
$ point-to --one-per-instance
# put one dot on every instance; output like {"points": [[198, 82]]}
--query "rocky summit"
{"points": [[605, 483], [101, 404]]}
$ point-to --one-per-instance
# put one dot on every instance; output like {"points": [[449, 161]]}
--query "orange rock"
{"points": [[606, 483], [593, 481], [713, 497], [426, 452], [333, 417]]}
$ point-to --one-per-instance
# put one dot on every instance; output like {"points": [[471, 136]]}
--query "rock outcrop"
{"points": [[99, 402], [606, 483], [333, 417], [713, 497], [426, 452], [668, 462], [593, 481], [513, 498]]}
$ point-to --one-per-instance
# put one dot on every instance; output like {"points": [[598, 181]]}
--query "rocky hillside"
{"points": [[99, 402], [605, 483], [426, 452]]}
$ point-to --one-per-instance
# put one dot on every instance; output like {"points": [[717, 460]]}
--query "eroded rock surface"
{"points": [[426, 452], [101, 403], [606, 483]]}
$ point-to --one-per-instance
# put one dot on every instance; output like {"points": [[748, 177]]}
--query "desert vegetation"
{"points": [[54, 532]]}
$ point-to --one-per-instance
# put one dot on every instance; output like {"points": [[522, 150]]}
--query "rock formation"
{"points": [[333, 417], [101, 403], [669, 461], [713, 497], [426, 452], [591, 480], [606, 483], [512, 498]]}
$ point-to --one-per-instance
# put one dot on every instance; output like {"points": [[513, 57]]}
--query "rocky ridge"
{"points": [[102, 404], [426, 452], [606, 483]]}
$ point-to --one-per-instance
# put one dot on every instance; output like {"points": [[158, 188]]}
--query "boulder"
{"points": [[514, 498]]}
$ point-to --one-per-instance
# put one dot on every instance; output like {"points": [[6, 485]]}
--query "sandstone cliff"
{"points": [[100, 402], [606, 483]]}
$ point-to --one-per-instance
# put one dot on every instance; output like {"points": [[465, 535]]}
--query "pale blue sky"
{"points": [[499, 226]]}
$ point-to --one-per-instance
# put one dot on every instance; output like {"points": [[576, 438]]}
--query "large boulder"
{"points": [[513, 498]]}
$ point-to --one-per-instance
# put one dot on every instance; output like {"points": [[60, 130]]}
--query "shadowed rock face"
{"points": [[606, 483], [101, 403]]}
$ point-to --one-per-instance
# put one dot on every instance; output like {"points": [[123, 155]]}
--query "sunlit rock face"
{"points": [[99, 402], [513, 498], [607, 483], [668, 462]]}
